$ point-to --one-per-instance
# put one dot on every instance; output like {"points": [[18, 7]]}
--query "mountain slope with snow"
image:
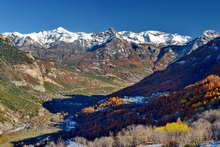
{"points": [[172, 53], [155, 37]]}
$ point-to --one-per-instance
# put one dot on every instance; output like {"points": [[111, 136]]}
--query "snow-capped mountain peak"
{"points": [[60, 34], [156, 37], [204, 39], [111, 31], [211, 34], [61, 29]]}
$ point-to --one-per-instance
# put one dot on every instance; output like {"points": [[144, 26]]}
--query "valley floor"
{"points": [[8, 139], [69, 104]]}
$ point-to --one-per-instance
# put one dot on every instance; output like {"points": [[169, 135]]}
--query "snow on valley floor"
{"points": [[73, 144], [211, 144], [142, 99], [135, 100]]}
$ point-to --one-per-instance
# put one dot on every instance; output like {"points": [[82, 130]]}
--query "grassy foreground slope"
{"points": [[15, 102]]}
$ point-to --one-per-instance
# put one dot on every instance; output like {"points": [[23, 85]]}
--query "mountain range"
{"points": [[127, 55], [88, 40], [148, 78]]}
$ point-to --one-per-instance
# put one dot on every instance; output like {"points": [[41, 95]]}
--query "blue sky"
{"points": [[190, 17]]}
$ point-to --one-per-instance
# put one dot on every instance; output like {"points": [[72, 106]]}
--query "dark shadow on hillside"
{"points": [[71, 105]]}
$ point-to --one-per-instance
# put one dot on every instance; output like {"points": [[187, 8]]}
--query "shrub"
{"points": [[60, 143], [88, 110], [104, 142], [113, 101], [209, 123], [172, 134], [174, 127]]}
